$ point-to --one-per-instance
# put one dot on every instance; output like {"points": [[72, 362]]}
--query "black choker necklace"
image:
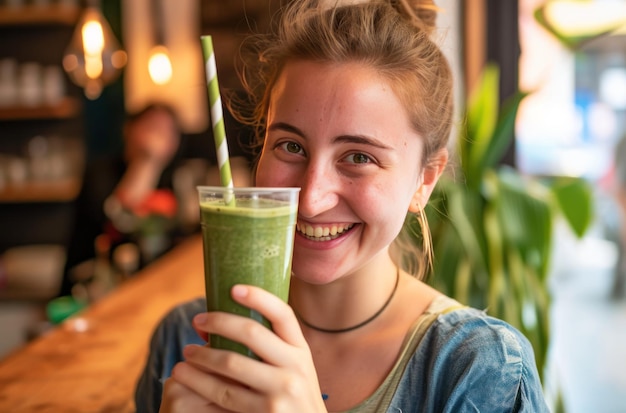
{"points": [[361, 324]]}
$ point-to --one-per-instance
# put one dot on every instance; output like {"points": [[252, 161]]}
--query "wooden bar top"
{"points": [[96, 370]]}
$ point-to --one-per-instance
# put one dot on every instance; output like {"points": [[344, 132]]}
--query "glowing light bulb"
{"points": [[93, 44], [93, 37], [160, 66], [94, 58]]}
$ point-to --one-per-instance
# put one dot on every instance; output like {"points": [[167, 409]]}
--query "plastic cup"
{"points": [[249, 243]]}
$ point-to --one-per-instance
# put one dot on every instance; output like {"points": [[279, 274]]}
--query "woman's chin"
{"points": [[314, 276]]}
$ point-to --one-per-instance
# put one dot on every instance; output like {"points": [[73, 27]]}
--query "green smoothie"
{"points": [[250, 243]]}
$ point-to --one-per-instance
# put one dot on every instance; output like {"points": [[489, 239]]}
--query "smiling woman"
{"points": [[353, 105], [322, 119]]}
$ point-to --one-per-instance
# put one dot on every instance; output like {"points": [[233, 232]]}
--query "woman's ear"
{"points": [[430, 175]]}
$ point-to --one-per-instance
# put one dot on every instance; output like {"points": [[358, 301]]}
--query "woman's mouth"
{"points": [[322, 232]]}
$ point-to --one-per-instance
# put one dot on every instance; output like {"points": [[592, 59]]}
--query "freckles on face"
{"points": [[340, 133], [332, 103]]}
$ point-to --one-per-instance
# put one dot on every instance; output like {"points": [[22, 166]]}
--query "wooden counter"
{"points": [[96, 370]]}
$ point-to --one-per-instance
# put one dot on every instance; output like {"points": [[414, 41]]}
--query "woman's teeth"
{"points": [[322, 233]]}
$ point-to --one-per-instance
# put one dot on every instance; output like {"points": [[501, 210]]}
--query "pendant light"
{"points": [[576, 22], [159, 62], [94, 57]]}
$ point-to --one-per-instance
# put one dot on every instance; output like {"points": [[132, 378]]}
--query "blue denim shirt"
{"points": [[465, 362]]}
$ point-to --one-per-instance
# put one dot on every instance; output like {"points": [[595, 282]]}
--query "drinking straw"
{"points": [[217, 115]]}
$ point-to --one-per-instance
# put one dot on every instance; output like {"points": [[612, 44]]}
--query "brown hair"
{"points": [[390, 36]]}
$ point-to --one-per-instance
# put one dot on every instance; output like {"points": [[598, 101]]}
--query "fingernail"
{"points": [[239, 291], [201, 318], [190, 349]]}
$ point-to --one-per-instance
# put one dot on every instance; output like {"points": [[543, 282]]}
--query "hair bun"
{"points": [[423, 12]]}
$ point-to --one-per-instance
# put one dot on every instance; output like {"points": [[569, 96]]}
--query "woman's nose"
{"points": [[319, 191]]}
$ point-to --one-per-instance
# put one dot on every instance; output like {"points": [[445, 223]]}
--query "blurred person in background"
{"points": [[147, 195], [111, 184]]}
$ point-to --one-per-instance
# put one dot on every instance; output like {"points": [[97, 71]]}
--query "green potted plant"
{"points": [[492, 227]]}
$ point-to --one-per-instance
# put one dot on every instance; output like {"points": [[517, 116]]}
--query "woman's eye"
{"points": [[359, 158], [291, 147]]}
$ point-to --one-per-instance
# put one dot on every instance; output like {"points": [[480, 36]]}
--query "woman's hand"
{"points": [[213, 380]]}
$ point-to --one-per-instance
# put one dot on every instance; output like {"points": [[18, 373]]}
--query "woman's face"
{"points": [[153, 135], [340, 134]]}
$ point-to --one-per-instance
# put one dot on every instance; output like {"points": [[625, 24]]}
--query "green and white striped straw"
{"points": [[217, 114]]}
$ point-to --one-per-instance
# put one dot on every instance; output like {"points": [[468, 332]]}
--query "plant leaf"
{"points": [[482, 115], [526, 220], [575, 201], [504, 132], [497, 275]]}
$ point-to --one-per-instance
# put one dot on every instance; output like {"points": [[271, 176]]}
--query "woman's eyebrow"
{"points": [[358, 139], [362, 140], [286, 127]]}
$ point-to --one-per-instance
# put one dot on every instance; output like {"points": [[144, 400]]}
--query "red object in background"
{"points": [[159, 202]]}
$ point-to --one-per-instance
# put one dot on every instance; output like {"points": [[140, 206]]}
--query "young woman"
{"points": [[355, 108]]}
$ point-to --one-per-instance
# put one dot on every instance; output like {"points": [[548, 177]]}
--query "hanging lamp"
{"points": [[577, 22], [94, 57], [159, 62]]}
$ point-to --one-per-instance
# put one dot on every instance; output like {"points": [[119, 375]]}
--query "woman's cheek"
{"points": [[261, 172], [271, 173]]}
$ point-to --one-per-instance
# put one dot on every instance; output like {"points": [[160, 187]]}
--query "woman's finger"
{"points": [[258, 376], [279, 313], [226, 394], [199, 327], [177, 398], [263, 342]]}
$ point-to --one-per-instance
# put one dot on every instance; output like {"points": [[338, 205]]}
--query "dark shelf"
{"points": [[54, 191], [38, 15], [66, 109]]}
